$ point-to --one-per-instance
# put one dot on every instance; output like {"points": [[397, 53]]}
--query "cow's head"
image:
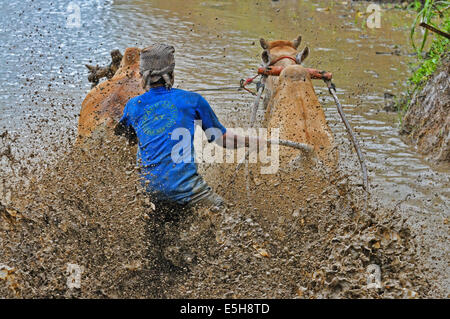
{"points": [[276, 49]]}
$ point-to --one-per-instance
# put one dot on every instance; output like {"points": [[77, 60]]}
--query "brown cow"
{"points": [[291, 101], [104, 104]]}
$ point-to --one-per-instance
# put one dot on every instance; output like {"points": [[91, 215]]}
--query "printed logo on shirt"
{"points": [[158, 118]]}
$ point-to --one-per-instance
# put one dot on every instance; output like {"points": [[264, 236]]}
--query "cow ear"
{"points": [[300, 57], [265, 56], [296, 42], [264, 44]]}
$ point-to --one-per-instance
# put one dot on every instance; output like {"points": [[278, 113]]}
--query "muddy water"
{"points": [[44, 80]]}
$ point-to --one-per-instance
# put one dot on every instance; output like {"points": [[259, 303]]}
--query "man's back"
{"points": [[160, 118]]}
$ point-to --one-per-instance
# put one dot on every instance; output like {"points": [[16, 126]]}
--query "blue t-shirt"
{"points": [[164, 122]]}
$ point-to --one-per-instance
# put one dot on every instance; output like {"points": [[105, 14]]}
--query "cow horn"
{"points": [[91, 67]]}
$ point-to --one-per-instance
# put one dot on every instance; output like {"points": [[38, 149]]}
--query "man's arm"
{"points": [[127, 131], [232, 140], [125, 128], [216, 132]]}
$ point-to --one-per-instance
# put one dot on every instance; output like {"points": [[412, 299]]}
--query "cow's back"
{"points": [[296, 110], [104, 104]]}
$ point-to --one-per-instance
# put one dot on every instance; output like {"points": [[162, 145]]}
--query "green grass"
{"points": [[437, 14], [431, 12], [427, 65]]}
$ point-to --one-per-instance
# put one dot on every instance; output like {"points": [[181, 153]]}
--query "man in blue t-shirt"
{"points": [[158, 118]]}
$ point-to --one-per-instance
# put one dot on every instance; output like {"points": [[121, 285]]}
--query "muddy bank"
{"points": [[89, 210], [426, 124]]}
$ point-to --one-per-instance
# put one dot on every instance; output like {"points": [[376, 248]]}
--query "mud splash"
{"points": [[89, 210]]}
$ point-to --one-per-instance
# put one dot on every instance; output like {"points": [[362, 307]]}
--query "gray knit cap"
{"points": [[157, 61]]}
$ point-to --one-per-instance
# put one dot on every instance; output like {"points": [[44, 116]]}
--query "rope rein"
{"points": [[332, 90]]}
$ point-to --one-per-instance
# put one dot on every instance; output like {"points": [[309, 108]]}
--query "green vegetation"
{"points": [[432, 12], [436, 14], [429, 63]]}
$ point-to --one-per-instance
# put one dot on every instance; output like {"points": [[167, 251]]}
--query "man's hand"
{"points": [[232, 140], [126, 131]]}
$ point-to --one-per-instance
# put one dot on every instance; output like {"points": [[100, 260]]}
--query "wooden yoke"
{"points": [[314, 73]]}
